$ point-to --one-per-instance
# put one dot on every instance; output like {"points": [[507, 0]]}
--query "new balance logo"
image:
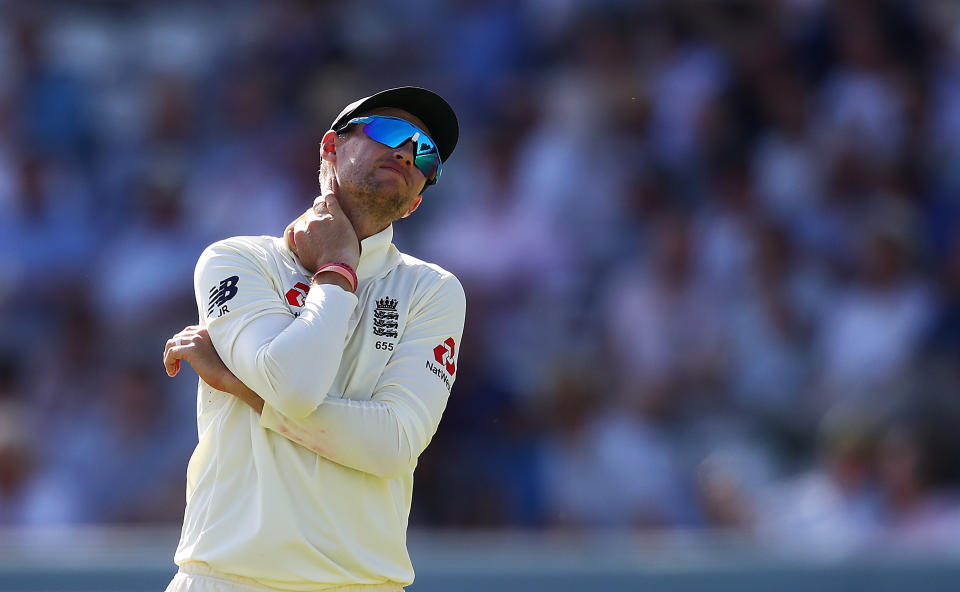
{"points": [[385, 317], [220, 294]]}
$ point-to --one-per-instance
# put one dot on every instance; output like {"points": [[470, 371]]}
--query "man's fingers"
{"points": [[332, 205], [177, 347], [331, 186], [171, 359], [288, 233], [319, 207], [171, 343]]}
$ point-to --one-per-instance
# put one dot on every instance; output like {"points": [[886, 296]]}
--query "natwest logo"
{"points": [[297, 294], [444, 354]]}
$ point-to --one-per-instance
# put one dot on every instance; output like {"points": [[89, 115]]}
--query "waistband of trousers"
{"points": [[197, 568]]}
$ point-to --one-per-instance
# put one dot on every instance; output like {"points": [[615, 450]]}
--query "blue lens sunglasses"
{"points": [[394, 132]]}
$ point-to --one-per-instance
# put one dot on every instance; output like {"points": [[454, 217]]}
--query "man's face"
{"points": [[379, 181]]}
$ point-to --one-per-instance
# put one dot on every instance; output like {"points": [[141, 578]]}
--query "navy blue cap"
{"points": [[428, 106]]}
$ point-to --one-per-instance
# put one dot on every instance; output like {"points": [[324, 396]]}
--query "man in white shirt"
{"points": [[326, 357]]}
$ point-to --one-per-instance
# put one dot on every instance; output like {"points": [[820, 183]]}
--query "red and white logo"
{"points": [[297, 294], [444, 354]]}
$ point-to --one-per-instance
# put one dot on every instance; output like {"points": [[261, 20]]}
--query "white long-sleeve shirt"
{"points": [[316, 491]]}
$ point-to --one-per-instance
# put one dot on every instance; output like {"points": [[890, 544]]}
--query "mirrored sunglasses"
{"points": [[394, 132]]}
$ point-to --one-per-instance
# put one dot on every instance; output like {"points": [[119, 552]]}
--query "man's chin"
{"points": [[392, 206], [381, 198]]}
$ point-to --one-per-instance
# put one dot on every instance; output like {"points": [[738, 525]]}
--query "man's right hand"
{"points": [[324, 235]]}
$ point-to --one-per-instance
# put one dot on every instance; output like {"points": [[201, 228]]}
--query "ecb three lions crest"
{"points": [[385, 317]]}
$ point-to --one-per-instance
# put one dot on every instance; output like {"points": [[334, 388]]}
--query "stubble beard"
{"points": [[376, 201]]}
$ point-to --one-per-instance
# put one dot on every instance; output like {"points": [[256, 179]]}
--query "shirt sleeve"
{"points": [[289, 361], [385, 436]]}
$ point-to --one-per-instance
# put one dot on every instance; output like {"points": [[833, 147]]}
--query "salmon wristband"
{"points": [[342, 269]]}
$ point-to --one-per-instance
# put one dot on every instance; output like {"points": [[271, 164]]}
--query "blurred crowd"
{"points": [[709, 247]]}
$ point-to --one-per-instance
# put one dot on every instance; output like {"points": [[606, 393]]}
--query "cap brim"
{"points": [[426, 105]]}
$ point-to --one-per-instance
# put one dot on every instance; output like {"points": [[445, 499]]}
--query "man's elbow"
{"points": [[397, 462], [392, 466], [297, 404]]}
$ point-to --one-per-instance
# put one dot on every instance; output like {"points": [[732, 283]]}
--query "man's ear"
{"points": [[413, 206], [328, 147]]}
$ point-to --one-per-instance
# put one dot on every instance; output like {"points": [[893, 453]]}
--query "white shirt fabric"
{"points": [[316, 492]]}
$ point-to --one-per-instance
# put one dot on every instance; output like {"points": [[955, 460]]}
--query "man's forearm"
{"points": [[367, 436], [294, 367], [290, 361], [363, 435], [246, 395]]}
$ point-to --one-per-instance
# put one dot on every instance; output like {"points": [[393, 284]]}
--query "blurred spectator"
{"points": [[922, 515], [137, 480], [873, 330], [605, 466], [52, 103], [17, 464], [142, 271], [666, 338], [47, 227], [770, 332], [786, 167], [835, 507], [236, 185], [17, 455]]}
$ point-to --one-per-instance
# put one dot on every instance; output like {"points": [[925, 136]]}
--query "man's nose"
{"points": [[404, 152]]}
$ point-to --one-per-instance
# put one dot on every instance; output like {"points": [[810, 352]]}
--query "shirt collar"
{"points": [[377, 254]]}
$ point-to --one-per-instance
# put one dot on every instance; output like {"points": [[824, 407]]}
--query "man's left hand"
{"points": [[193, 344]]}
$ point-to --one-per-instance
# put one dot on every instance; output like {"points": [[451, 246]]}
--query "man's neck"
{"points": [[369, 231], [363, 223]]}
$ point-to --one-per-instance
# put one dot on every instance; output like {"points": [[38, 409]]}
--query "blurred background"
{"points": [[710, 251]]}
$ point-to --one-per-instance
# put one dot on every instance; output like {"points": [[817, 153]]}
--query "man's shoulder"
{"points": [[246, 243], [260, 252], [424, 269], [433, 283], [256, 247]]}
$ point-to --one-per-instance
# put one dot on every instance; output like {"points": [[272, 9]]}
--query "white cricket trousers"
{"points": [[199, 577]]}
